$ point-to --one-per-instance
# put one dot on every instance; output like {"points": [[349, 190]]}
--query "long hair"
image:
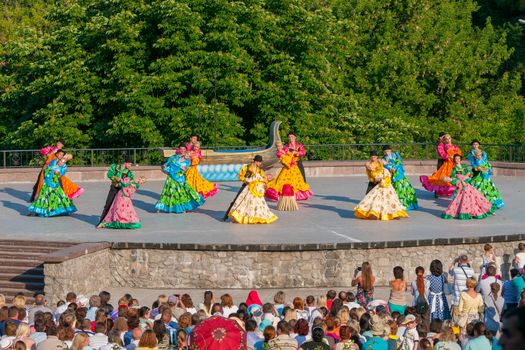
{"points": [[80, 340], [366, 276], [420, 281]]}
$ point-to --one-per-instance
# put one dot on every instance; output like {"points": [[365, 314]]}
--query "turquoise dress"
{"points": [[178, 196], [52, 200], [482, 180], [404, 189]]}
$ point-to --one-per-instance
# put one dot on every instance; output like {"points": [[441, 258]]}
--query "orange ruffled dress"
{"points": [[194, 179], [435, 183], [71, 189]]}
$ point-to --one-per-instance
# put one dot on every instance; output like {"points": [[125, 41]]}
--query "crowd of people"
{"points": [[443, 309]]}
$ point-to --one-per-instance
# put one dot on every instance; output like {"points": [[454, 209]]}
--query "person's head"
{"points": [[457, 158], [59, 154], [521, 247], [185, 320], [317, 334], [160, 330], [301, 327], [436, 325], [10, 328], [114, 337], [51, 331], [410, 321], [387, 150], [513, 330], [258, 160], [291, 137], [148, 339], [208, 296], [447, 334], [39, 323], [40, 300], [331, 294], [298, 303], [19, 301], [393, 326], [86, 325], [121, 324], [280, 146], [491, 270], [250, 325], [23, 330], [279, 298], [425, 344], [283, 327], [269, 333], [447, 139], [479, 329], [337, 304], [226, 300], [475, 144], [373, 156], [216, 308], [471, 283], [80, 341], [194, 138], [13, 312], [436, 268], [166, 315], [105, 297], [398, 273], [310, 301], [344, 332], [66, 334], [514, 273], [100, 327]]}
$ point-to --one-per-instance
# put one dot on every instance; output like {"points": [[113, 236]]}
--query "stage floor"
{"points": [[326, 218]]}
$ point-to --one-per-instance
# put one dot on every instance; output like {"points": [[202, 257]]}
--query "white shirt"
{"points": [[98, 340], [352, 305], [520, 260], [460, 280], [484, 286], [227, 311], [408, 336]]}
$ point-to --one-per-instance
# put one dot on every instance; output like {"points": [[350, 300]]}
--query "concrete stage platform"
{"points": [[326, 218]]}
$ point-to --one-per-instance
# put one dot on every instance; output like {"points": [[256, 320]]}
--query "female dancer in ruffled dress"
{"points": [[382, 202], [51, 199], [298, 152], [249, 207], [194, 178], [404, 189], [122, 214], [49, 152], [290, 174], [468, 203], [436, 182], [482, 180], [178, 196]]}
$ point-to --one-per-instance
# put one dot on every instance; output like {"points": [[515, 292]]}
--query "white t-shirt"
{"points": [[520, 260], [408, 336], [226, 311], [352, 305]]}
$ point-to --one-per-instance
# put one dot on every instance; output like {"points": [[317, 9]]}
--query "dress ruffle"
{"points": [[441, 190]]}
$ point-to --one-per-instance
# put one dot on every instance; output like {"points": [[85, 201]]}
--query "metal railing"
{"points": [[153, 156]]}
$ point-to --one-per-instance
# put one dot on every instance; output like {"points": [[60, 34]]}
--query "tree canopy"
{"points": [[129, 73]]}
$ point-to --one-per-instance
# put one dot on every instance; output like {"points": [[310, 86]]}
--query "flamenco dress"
{"points": [[404, 189], [122, 214], [290, 174], [194, 178], [435, 182]]}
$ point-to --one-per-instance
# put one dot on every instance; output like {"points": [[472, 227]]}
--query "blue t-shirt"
{"points": [[519, 284], [376, 344], [509, 292]]}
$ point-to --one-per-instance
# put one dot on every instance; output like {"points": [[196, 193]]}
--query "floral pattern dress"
{"points": [[468, 203], [381, 203], [250, 206], [290, 174], [404, 189], [122, 215], [178, 196], [482, 181], [51, 199]]}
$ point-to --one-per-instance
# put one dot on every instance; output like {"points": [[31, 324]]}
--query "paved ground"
{"points": [[326, 218]]}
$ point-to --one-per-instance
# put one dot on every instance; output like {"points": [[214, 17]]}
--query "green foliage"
{"points": [[117, 73]]}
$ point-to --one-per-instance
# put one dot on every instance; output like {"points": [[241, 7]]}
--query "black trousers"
{"points": [[35, 187], [109, 200], [440, 163], [371, 186], [301, 169], [226, 215]]}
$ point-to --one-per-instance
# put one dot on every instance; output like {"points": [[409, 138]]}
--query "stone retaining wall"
{"points": [[254, 267]]}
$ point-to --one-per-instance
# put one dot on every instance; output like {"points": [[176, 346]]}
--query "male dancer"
{"points": [[115, 173], [374, 171]]}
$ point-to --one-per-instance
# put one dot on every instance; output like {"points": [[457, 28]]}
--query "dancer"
{"points": [[288, 175], [381, 202], [404, 189], [249, 207], [177, 195], [435, 182], [121, 214], [298, 152], [116, 174], [374, 171], [194, 178], [71, 189], [49, 152], [472, 156], [468, 203], [482, 180], [51, 199], [194, 139], [440, 149]]}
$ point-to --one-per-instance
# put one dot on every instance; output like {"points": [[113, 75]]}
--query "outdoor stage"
{"points": [[326, 218]]}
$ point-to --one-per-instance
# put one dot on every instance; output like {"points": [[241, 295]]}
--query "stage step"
{"points": [[22, 266]]}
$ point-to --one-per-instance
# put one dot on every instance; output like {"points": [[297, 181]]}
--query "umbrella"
{"points": [[218, 333]]}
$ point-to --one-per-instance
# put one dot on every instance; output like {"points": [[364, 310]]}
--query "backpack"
{"points": [[421, 305]]}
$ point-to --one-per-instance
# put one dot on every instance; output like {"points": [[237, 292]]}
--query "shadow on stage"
{"points": [[23, 195], [338, 198], [19, 208], [214, 214], [88, 219], [230, 188], [343, 213], [148, 193]]}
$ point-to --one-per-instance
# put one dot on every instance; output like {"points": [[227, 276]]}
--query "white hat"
{"points": [[6, 343], [409, 318], [82, 301]]}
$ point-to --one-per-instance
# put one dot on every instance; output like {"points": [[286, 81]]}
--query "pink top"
{"points": [[442, 149], [297, 147]]}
